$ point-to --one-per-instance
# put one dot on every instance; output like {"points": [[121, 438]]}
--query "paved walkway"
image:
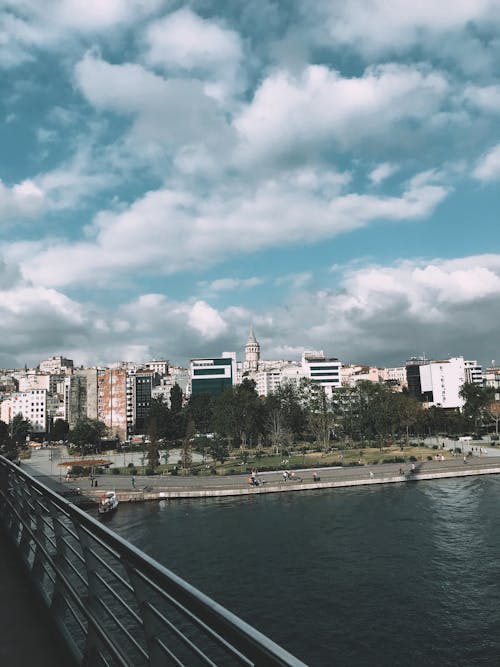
{"points": [[157, 487], [27, 637]]}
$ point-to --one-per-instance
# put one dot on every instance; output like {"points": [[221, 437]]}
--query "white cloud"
{"points": [[54, 24], [485, 98], [488, 167], [230, 284], [22, 200], [185, 231], [166, 114], [382, 172], [183, 41], [320, 108], [378, 26]]}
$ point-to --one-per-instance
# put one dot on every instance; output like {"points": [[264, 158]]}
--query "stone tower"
{"points": [[252, 352]]}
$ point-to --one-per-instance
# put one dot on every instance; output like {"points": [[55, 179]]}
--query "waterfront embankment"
{"points": [[140, 489]]}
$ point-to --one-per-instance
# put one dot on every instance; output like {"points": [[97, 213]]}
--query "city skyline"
{"points": [[173, 172]]}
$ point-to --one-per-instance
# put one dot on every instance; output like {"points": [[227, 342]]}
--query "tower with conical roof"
{"points": [[252, 352]]}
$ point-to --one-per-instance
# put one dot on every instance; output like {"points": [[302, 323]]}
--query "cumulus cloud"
{"points": [[167, 114], [488, 167], [186, 232], [382, 172], [185, 42], [53, 24], [22, 200], [322, 109], [376, 28], [229, 284]]}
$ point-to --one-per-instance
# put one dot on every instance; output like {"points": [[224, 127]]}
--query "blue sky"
{"points": [[174, 171]]}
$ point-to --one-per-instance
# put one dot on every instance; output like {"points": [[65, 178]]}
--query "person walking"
{"points": [[133, 481]]}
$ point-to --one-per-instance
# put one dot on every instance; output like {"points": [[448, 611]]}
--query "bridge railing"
{"points": [[113, 604]]}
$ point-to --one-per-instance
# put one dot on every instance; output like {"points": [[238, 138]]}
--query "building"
{"points": [[32, 405], [56, 365], [112, 401], [139, 395], [81, 395], [438, 382], [213, 375], [322, 370], [159, 366], [473, 372], [252, 353]]}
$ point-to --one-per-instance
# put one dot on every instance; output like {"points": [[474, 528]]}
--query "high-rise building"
{"points": [[112, 400], [437, 382], [322, 370], [213, 375]]}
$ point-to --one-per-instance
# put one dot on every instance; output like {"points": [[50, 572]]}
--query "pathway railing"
{"points": [[113, 604]]}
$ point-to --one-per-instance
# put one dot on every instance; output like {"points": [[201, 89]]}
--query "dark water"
{"points": [[388, 575]]}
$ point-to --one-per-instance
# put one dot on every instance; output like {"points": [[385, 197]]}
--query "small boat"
{"points": [[108, 502]]}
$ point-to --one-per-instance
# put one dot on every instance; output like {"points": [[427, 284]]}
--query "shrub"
{"points": [[149, 471], [394, 459], [133, 471], [130, 465], [429, 458], [435, 447], [413, 458], [115, 471]]}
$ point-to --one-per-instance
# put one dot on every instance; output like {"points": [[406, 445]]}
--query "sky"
{"points": [[172, 173]]}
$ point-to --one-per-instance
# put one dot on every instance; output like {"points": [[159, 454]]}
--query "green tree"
{"points": [[6, 444], [187, 447], [59, 430], [319, 412], [20, 429], [87, 434], [218, 450], [476, 400], [159, 421], [200, 408], [175, 399]]}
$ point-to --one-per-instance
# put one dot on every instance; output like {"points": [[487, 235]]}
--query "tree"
{"points": [[159, 421], [200, 409], [319, 412], [6, 443], [218, 450], [476, 399], [20, 429], [87, 434], [187, 448], [59, 430], [493, 411], [175, 399]]}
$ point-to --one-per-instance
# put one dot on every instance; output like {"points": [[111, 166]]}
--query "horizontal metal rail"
{"points": [[112, 603]]}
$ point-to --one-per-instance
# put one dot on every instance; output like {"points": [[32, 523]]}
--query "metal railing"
{"points": [[113, 604]]}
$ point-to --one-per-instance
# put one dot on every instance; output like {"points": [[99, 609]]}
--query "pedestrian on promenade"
{"points": [[316, 477], [371, 473], [465, 458], [285, 475], [133, 482]]}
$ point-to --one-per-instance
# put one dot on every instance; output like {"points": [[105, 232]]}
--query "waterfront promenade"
{"points": [[173, 487]]}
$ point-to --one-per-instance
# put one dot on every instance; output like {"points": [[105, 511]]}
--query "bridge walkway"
{"points": [[27, 635]]}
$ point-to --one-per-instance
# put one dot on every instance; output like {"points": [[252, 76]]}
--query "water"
{"points": [[390, 575]]}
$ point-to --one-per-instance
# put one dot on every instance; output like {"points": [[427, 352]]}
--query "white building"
{"points": [[441, 382], [473, 372], [322, 370], [32, 405], [159, 366], [56, 365]]}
